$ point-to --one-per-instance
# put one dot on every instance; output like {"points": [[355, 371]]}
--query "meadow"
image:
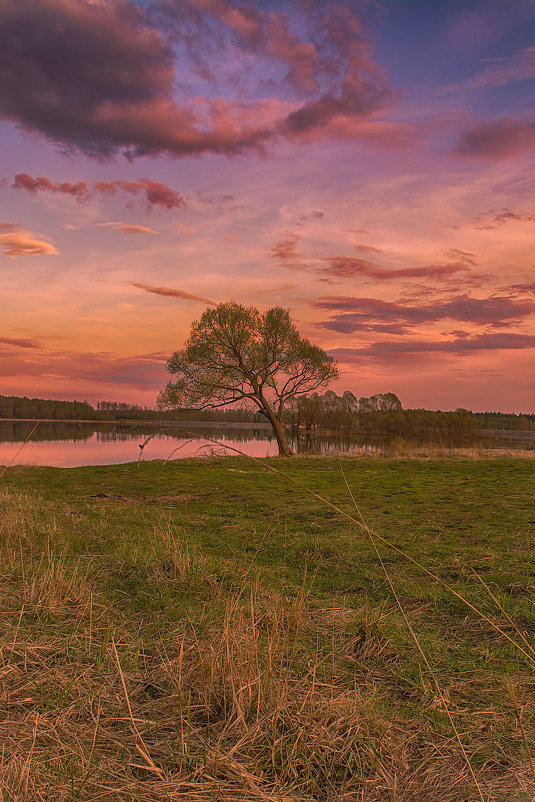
{"points": [[208, 629]]}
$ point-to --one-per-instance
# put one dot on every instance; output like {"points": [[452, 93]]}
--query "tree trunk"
{"points": [[278, 430]]}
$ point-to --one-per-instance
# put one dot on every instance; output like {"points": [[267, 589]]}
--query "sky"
{"points": [[367, 165]]}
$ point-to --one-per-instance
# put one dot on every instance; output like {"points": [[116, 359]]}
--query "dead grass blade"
{"points": [[143, 751]]}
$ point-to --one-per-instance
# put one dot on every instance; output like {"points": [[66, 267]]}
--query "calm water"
{"points": [[72, 444]]}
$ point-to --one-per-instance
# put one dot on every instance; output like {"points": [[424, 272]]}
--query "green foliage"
{"points": [[237, 354]]}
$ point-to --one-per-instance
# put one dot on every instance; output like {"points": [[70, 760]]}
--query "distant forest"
{"points": [[378, 413]]}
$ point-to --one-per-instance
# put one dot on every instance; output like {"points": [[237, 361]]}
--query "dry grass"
{"points": [[252, 696], [399, 447]]}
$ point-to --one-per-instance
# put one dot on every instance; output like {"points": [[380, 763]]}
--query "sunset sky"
{"points": [[368, 165]]}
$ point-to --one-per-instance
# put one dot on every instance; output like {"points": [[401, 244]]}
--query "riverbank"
{"points": [[207, 629]]}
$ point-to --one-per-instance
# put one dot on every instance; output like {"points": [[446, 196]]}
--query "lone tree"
{"points": [[236, 353]]}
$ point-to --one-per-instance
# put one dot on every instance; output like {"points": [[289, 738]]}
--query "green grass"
{"points": [[262, 651]]}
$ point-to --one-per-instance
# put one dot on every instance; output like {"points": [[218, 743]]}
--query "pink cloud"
{"points": [[155, 193], [79, 190], [127, 228], [349, 266], [144, 370], [501, 71], [187, 229], [394, 351], [270, 32], [494, 219], [462, 256], [365, 314], [286, 252], [23, 243], [524, 287], [497, 139], [171, 292], [367, 249], [19, 343], [124, 100]]}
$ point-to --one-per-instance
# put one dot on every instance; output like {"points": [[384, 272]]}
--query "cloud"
{"points": [[19, 343], [367, 249], [80, 190], [154, 193], [501, 71], [395, 351], [364, 314], [350, 266], [462, 256], [494, 219], [497, 139], [315, 214], [23, 243], [127, 228], [524, 287], [285, 250], [325, 79], [270, 33], [171, 292], [143, 370], [187, 229]]}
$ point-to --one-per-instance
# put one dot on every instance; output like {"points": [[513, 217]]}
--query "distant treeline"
{"points": [[46, 409], [504, 420], [378, 413]]}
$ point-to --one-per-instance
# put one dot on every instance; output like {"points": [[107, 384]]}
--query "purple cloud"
{"points": [[497, 139], [495, 218], [524, 287], [359, 314], [394, 351], [171, 292], [52, 83], [155, 193], [80, 190], [350, 266], [16, 342]]}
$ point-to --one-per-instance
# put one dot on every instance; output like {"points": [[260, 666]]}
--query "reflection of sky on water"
{"points": [[70, 445], [95, 451]]}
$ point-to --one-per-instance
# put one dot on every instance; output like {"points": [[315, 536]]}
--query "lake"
{"points": [[67, 445]]}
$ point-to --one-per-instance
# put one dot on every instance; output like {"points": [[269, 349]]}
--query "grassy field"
{"points": [[208, 630]]}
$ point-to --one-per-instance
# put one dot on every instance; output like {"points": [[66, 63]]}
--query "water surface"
{"points": [[73, 444]]}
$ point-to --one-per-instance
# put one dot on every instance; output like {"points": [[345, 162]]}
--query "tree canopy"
{"points": [[238, 354]]}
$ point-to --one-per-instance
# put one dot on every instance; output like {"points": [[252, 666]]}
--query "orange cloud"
{"points": [[17, 342], [171, 292], [367, 249], [187, 229], [23, 243], [127, 228]]}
